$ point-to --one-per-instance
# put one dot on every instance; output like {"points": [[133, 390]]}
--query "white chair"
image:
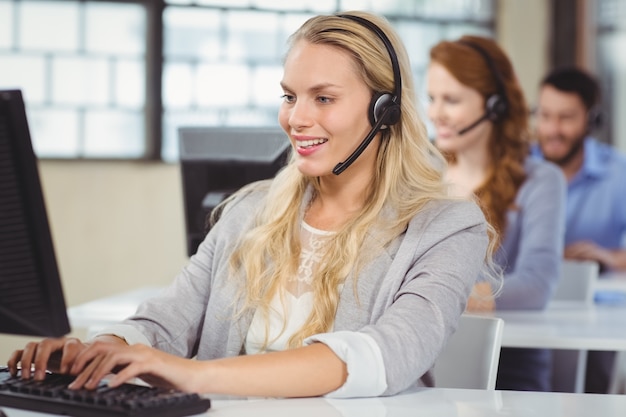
{"points": [[471, 356], [618, 380], [577, 282], [576, 285]]}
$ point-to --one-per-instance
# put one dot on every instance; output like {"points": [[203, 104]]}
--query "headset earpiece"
{"points": [[381, 103], [496, 107], [594, 118]]}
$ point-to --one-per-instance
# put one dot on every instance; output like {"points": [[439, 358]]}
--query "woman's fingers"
{"points": [[36, 356], [102, 359], [71, 349], [86, 375], [98, 361], [14, 359], [129, 372]]}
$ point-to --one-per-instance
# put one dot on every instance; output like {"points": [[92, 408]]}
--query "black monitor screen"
{"points": [[31, 297], [216, 161]]}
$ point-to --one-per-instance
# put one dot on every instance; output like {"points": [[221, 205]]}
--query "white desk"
{"points": [[566, 327], [572, 326], [96, 314], [615, 283], [431, 402]]}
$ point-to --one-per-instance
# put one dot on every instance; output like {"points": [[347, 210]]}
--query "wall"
{"points": [[116, 225], [619, 74], [619, 99], [523, 30]]}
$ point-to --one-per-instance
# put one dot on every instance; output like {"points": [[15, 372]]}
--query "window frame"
{"points": [[154, 110]]}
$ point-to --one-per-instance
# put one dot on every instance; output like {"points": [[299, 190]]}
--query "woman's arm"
{"points": [[537, 248], [612, 259], [307, 371]]}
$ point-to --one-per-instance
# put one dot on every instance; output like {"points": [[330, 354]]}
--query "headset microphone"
{"points": [[473, 125], [341, 166]]}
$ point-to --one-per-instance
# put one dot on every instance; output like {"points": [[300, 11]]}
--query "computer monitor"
{"points": [[31, 296], [216, 161]]}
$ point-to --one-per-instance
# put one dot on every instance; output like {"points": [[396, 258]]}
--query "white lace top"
{"points": [[286, 317]]}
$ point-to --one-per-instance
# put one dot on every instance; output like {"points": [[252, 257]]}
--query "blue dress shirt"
{"points": [[596, 197]]}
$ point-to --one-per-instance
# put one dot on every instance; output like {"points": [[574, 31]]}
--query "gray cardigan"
{"points": [[531, 251], [410, 297]]}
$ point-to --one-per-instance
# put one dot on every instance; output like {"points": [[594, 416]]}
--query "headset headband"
{"points": [[490, 63], [397, 79]]}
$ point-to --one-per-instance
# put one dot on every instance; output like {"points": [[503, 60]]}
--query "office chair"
{"points": [[618, 380], [576, 285], [577, 282], [471, 356]]}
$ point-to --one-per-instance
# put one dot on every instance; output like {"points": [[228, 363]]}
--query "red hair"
{"points": [[509, 141]]}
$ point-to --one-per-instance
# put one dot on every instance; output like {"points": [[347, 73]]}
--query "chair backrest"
{"points": [[471, 356], [577, 281], [576, 285], [618, 378]]}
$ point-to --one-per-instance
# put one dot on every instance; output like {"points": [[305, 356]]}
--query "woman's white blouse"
{"points": [[366, 369], [288, 315]]}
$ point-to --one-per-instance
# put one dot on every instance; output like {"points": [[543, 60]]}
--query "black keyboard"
{"points": [[52, 396]]}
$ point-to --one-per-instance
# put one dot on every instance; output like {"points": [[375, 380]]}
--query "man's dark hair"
{"points": [[577, 81]]}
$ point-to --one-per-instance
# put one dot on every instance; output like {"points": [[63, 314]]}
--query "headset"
{"points": [[384, 108], [595, 118], [496, 105]]}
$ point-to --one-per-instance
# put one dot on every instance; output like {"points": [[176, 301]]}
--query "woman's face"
{"points": [[453, 107], [324, 110]]}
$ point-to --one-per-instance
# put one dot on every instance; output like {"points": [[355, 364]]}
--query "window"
{"points": [[82, 78], [611, 69], [85, 80]]}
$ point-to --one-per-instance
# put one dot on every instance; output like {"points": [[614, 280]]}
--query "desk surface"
{"points": [[566, 327], [612, 281], [571, 325], [109, 310], [437, 402], [563, 326]]}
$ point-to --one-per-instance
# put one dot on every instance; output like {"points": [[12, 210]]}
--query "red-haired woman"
{"points": [[480, 118]]}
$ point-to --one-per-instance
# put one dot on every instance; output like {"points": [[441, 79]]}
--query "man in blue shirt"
{"points": [[596, 173]]}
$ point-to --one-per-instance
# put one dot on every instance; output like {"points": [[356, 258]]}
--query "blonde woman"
{"points": [[343, 276]]}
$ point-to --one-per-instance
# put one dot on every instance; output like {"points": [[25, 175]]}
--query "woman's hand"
{"points": [[56, 355], [589, 251], [101, 359], [481, 299]]}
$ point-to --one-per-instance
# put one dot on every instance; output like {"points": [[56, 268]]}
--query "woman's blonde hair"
{"points": [[408, 175]]}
